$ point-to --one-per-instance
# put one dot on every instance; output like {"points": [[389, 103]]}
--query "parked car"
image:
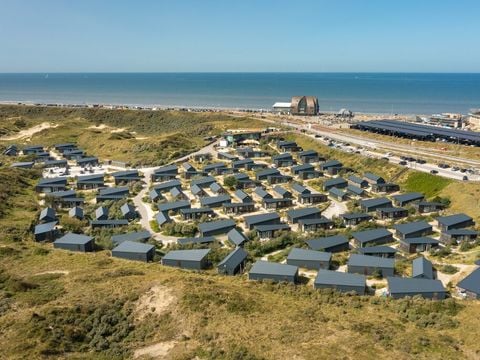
{"points": [[403, 162], [465, 178], [433, 172]]}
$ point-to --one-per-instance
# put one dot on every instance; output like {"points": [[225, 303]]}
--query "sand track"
{"points": [[28, 133]]}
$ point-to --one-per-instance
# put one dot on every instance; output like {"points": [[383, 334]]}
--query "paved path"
{"points": [[336, 208], [145, 209]]}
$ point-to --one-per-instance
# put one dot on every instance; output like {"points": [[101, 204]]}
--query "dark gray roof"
{"points": [[320, 220], [174, 205], [175, 192], [240, 176], [255, 219], [87, 160], [47, 212], [422, 267], [203, 181], [373, 177], [281, 190], [358, 215], [234, 258], [133, 236], [186, 255], [242, 162], [96, 178], [370, 235], [356, 179], [302, 167], [167, 185], [377, 250], [72, 238], [309, 255], [25, 164], [412, 196], [371, 261], [331, 163], [420, 240], [241, 194], [337, 192], [261, 192], [236, 237], [453, 219], [125, 173], [272, 227], [216, 225], [268, 171], [44, 228], [119, 222], [76, 212], [209, 200], [205, 210], [300, 189], [196, 240], [414, 286], [213, 166], [390, 209], [114, 190], [162, 218], [188, 167], [133, 247], [334, 181], [127, 209], [101, 211], [271, 268], [284, 156], [471, 282], [308, 153], [376, 202], [355, 190], [63, 194], [326, 242], [303, 212], [169, 169], [195, 189], [412, 227], [56, 180], [328, 277], [215, 187]]}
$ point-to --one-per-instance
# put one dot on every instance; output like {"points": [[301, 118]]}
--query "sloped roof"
{"points": [[271, 268], [370, 261], [370, 235], [471, 282], [187, 255], [133, 247], [234, 258], [414, 286], [308, 255], [326, 242], [336, 278], [412, 227], [74, 239]]}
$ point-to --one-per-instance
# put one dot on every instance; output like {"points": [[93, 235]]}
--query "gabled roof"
{"points": [[176, 192], [214, 166], [370, 261], [262, 193], [114, 190], [44, 228], [234, 258], [55, 180], [272, 227], [133, 247], [236, 237], [330, 163], [422, 267], [259, 218], [370, 235], [96, 178], [101, 211], [334, 181], [174, 205], [302, 167], [216, 187], [281, 190], [196, 240], [355, 190], [303, 212], [125, 173], [169, 169], [25, 164], [195, 189], [453, 219], [63, 194], [162, 218], [271, 268], [216, 225], [377, 250], [75, 239], [268, 171], [308, 153], [300, 189], [242, 195], [242, 162], [460, 232], [209, 200], [203, 181], [376, 202], [76, 212], [356, 215], [133, 236], [408, 197], [186, 255], [240, 176], [471, 282], [127, 209], [337, 278], [167, 185], [188, 167], [356, 179], [412, 227], [47, 213], [320, 220], [205, 210], [308, 255], [399, 285], [373, 177], [326, 242], [337, 192]]}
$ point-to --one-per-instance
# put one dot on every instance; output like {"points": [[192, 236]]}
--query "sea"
{"points": [[387, 93]]}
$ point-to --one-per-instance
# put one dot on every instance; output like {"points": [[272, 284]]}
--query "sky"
{"points": [[239, 36]]}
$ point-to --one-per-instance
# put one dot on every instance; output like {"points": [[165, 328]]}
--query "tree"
{"points": [[230, 181]]}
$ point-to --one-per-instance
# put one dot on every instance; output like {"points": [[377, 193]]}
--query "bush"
{"points": [[448, 269]]}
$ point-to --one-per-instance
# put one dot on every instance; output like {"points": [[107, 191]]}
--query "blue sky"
{"points": [[240, 35]]}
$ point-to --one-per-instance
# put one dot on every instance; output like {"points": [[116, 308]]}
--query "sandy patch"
{"points": [[156, 351], [154, 301], [106, 127], [63, 272], [30, 132]]}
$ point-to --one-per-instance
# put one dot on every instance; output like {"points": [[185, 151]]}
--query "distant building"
{"points": [[304, 105]]}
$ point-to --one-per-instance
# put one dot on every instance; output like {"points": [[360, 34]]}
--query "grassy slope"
{"points": [[149, 137], [86, 311]]}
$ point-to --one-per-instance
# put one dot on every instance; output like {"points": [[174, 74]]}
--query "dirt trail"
{"points": [[27, 133], [156, 351]]}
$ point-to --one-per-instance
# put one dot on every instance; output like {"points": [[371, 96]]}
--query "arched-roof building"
{"points": [[304, 105]]}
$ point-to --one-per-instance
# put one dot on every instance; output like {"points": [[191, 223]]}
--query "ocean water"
{"points": [[363, 92]]}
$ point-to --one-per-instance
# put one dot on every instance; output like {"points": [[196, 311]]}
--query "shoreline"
{"points": [[157, 107]]}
